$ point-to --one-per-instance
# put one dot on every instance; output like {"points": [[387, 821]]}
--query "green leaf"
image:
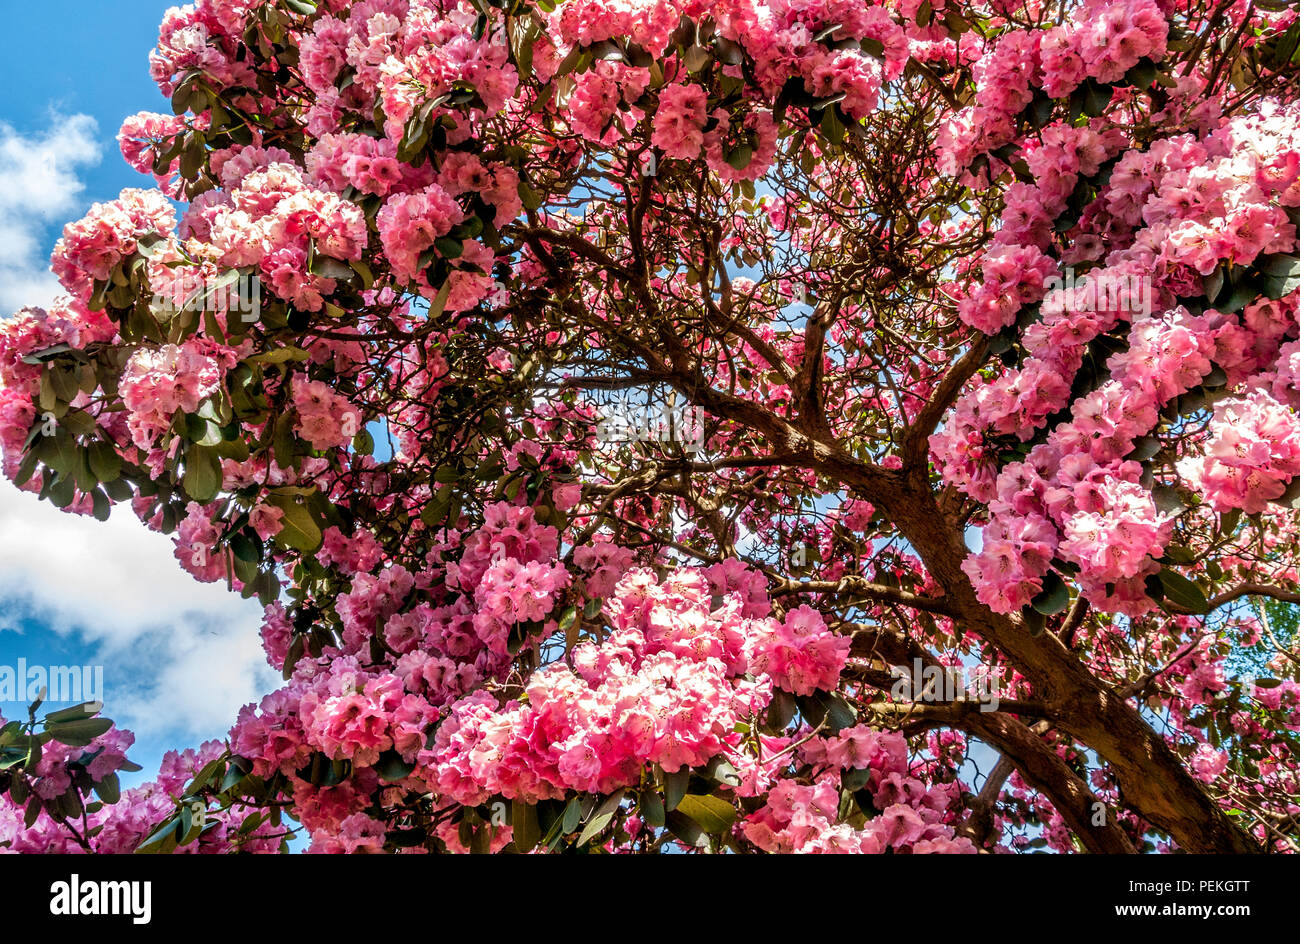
{"points": [[855, 779], [232, 777], [1182, 592], [1212, 285], [1244, 290], [714, 814], [439, 303], [1281, 274], [105, 462], [741, 157], [439, 506], [1054, 597], [523, 820], [729, 52], [391, 768], [529, 197], [601, 818], [1095, 98], [245, 548], [839, 712], [684, 828], [108, 789], [202, 431], [1283, 50], [202, 473], [1141, 75], [79, 423], [449, 248], [675, 787], [652, 809], [572, 816], [1229, 520], [1144, 448], [78, 733], [781, 710], [831, 127], [80, 712], [298, 529], [162, 839], [279, 356], [721, 771], [329, 268], [206, 774]]}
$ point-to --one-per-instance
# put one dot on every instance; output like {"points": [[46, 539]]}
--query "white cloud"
{"points": [[180, 656], [39, 187]]}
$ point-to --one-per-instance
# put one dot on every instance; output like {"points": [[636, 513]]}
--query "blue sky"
{"points": [[179, 658]]}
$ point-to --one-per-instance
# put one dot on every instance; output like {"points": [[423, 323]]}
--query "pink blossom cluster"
{"points": [[357, 553], [409, 224], [805, 818], [157, 383], [604, 563], [515, 592], [508, 531], [143, 138], [272, 216], [29, 331], [497, 184], [1252, 454], [668, 687], [802, 655], [347, 713], [1101, 40], [1013, 277], [679, 121], [67, 321], [781, 42], [1037, 510], [201, 36], [397, 54], [664, 688], [119, 827], [197, 540], [93, 246], [758, 131], [595, 109], [326, 419], [339, 161]]}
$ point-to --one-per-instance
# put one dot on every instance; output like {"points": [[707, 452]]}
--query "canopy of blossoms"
{"points": [[983, 318]]}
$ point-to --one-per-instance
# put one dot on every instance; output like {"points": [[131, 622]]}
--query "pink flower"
{"points": [[679, 121], [325, 419]]}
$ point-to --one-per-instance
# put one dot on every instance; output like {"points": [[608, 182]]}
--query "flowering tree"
{"points": [[984, 322]]}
